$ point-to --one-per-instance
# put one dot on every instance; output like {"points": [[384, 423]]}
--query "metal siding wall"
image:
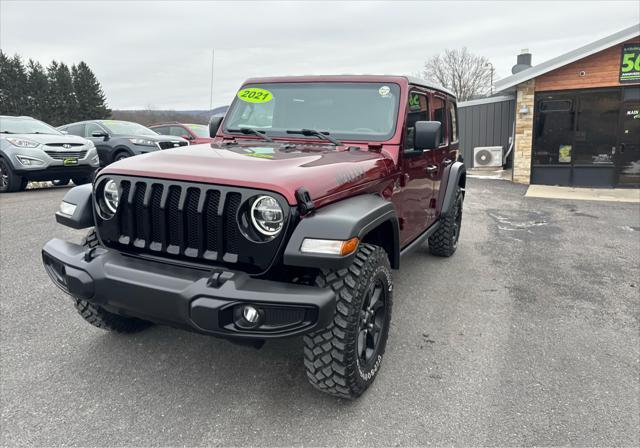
{"points": [[487, 124]]}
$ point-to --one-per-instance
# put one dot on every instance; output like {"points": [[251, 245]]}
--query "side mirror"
{"points": [[427, 135], [214, 124], [187, 136], [99, 134], [65, 132]]}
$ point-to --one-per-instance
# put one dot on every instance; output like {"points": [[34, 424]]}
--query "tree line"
{"points": [[56, 94]]}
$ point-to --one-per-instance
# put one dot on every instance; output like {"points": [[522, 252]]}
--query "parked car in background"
{"points": [[33, 150], [195, 133], [116, 140]]}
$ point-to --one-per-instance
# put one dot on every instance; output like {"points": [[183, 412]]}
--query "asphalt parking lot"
{"points": [[529, 335]]}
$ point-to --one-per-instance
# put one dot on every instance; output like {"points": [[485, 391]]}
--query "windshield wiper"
{"points": [[253, 131], [313, 133]]}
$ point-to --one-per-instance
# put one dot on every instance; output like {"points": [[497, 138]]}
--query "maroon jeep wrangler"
{"points": [[288, 223]]}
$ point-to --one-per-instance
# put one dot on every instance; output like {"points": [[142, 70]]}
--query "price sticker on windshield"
{"points": [[255, 95]]}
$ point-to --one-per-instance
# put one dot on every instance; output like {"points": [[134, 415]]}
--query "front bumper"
{"points": [[200, 300]]}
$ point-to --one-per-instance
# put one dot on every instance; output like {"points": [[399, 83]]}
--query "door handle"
{"points": [[431, 169]]}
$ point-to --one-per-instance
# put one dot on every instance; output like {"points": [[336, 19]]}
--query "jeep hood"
{"points": [[282, 168]]}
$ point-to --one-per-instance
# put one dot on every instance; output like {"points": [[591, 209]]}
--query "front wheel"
{"points": [[9, 181], [98, 316], [344, 358]]}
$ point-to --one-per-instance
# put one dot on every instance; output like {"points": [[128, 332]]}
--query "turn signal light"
{"points": [[349, 246], [329, 247]]}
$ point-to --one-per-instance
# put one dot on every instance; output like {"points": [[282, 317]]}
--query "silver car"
{"points": [[33, 150]]}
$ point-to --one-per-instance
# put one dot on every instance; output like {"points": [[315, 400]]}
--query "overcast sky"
{"points": [[158, 54]]}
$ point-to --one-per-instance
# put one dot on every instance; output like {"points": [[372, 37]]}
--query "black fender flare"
{"points": [[82, 217], [455, 175], [357, 216]]}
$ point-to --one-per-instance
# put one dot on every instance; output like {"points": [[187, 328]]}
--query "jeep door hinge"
{"points": [[305, 204]]}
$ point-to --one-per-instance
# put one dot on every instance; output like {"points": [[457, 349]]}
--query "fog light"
{"points": [[250, 314]]}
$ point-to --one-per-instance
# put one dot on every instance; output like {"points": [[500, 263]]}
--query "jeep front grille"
{"points": [[61, 155], [187, 221]]}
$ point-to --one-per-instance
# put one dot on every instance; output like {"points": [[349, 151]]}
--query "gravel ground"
{"points": [[529, 335]]}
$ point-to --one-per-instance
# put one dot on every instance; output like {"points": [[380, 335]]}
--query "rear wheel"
{"points": [[344, 358], [98, 316], [444, 240], [9, 181]]}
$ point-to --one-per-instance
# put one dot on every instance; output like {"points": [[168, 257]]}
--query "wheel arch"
{"points": [[455, 176], [369, 217], [120, 149]]}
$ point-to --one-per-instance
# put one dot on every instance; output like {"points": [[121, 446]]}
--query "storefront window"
{"points": [[595, 136], [553, 131]]}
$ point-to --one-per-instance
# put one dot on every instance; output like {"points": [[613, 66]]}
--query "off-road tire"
{"points": [[98, 316], [331, 356], [9, 181], [444, 241]]}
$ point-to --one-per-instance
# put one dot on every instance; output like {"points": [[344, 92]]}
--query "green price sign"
{"points": [[255, 95], [630, 63]]}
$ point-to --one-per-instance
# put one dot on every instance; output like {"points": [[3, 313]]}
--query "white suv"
{"points": [[33, 150]]}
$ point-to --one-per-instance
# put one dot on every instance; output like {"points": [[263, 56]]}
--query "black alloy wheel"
{"points": [[373, 318]]}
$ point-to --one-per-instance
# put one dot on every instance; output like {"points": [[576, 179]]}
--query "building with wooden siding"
{"points": [[577, 116]]}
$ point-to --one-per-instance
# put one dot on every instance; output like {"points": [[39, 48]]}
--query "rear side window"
{"points": [[417, 110], [163, 130], [439, 115], [76, 129], [179, 131], [453, 123]]}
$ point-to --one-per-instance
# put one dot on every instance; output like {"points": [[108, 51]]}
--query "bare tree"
{"points": [[460, 71]]}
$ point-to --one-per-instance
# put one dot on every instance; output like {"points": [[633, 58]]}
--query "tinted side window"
{"points": [[417, 110], [179, 131], [453, 123], [76, 129], [91, 128], [439, 115], [163, 130]]}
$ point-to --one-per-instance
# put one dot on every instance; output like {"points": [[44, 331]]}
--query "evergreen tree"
{"points": [[37, 91], [13, 80], [92, 103], [62, 100], [4, 90]]}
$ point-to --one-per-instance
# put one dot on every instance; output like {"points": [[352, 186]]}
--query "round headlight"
{"points": [[111, 195], [267, 215]]}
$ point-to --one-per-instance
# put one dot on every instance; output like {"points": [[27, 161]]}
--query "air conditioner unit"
{"points": [[487, 157]]}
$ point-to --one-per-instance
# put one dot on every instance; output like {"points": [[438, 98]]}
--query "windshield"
{"points": [[199, 129], [349, 111], [15, 125], [126, 128]]}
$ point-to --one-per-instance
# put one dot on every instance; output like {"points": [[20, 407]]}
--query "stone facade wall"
{"points": [[525, 93]]}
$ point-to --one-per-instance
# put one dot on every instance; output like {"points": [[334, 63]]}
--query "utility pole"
{"points": [[211, 90], [490, 65]]}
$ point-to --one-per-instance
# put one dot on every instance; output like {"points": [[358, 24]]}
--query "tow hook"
{"points": [[218, 278]]}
